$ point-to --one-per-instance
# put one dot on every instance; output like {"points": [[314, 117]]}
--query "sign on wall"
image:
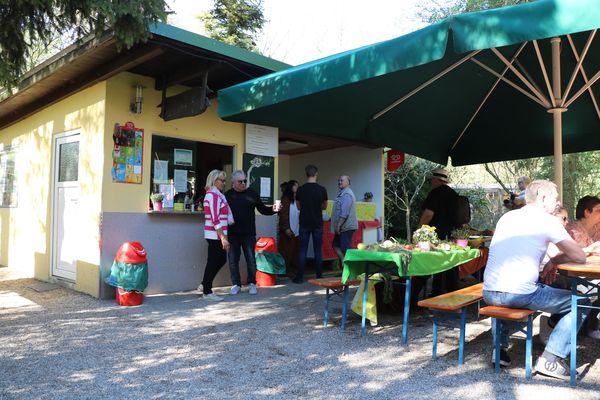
{"points": [[260, 172], [395, 159], [261, 140], [128, 151]]}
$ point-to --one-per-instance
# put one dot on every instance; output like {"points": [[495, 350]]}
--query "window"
{"points": [[8, 181], [180, 167]]}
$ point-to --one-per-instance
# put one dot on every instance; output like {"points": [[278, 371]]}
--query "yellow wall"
{"points": [[26, 229], [206, 127]]}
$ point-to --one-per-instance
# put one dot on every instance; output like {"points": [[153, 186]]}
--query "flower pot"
{"points": [[157, 206], [425, 246], [462, 242]]}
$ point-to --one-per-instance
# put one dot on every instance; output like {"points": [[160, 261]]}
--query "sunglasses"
{"points": [[243, 181]]}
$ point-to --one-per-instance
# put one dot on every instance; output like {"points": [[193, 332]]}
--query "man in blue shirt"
{"points": [[343, 218]]}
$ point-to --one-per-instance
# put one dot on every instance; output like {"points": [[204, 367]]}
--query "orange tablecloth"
{"points": [[474, 265]]}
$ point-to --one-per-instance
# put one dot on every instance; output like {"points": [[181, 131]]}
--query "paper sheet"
{"points": [[265, 187], [180, 178], [161, 171]]}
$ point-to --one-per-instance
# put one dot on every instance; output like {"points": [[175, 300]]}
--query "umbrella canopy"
{"points": [[477, 87]]}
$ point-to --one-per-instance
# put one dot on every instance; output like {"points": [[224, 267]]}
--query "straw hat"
{"points": [[440, 174]]}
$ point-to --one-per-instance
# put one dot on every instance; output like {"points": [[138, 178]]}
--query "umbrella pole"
{"points": [[557, 117], [558, 165]]}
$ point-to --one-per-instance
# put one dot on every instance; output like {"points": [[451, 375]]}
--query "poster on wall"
{"points": [[128, 151], [260, 172], [261, 140]]}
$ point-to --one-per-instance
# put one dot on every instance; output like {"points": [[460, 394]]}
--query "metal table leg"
{"points": [[574, 318], [406, 311], [364, 305]]}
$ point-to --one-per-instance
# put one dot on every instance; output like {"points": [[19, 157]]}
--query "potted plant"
{"points": [[461, 235], [157, 201], [425, 236]]}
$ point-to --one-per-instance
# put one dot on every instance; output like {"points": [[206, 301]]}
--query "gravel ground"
{"points": [[61, 344]]}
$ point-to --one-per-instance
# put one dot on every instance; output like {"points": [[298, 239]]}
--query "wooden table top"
{"points": [[591, 269]]}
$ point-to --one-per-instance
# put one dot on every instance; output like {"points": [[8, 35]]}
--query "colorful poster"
{"points": [[128, 153]]}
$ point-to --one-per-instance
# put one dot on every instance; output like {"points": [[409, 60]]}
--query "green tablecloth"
{"points": [[419, 263]]}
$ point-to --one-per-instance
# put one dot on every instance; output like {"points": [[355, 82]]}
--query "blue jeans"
{"points": [[343, 241], [317, 237], [544, 298], [247, 244]]}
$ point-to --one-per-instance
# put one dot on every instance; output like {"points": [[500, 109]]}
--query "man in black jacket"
{"points": [[242, 234], [439, 210]]}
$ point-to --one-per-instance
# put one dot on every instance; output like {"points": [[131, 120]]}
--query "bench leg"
{"points": [[344, 307], [435, 332], [497, 325], [528, 346], [406, 311], [461, 340], [326, 313]]}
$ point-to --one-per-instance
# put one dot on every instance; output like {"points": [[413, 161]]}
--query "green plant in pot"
{"points": [[425, 236], [461, 235], [157, 199]]}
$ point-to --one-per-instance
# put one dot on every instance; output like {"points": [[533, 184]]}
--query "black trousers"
{"points": [[214, 262], [444, 282]]}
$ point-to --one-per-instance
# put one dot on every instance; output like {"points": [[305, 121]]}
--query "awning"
{"points": [[476, 87]]}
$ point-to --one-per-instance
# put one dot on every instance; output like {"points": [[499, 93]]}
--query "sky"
{"points": [[302, 31]]}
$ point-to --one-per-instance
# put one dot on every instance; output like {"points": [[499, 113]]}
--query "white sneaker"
{"points": [[235, 289], [556, 369], [595, 334], [213, 297], [252, 289]]}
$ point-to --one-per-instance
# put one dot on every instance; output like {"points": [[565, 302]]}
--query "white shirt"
{"points": [[294, 219], [518, 246]]}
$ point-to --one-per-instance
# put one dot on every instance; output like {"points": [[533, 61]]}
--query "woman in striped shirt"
{"points": [[217, 216]]}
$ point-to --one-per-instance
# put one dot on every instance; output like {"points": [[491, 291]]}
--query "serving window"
{"points": [[180, 167]]}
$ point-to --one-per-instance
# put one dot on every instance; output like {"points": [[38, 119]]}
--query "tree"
{"points": [[437, 10], [404, 193], [236, 22], [26, 23]]}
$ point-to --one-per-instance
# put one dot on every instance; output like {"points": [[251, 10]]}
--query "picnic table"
{"points": [[580, 274], [404, 264]]}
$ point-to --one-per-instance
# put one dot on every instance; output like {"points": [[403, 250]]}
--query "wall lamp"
{"points": [[136, 104]]}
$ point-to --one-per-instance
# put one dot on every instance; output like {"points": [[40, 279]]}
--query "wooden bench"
{"points": [[337, 288], [520, 317], [452, 306]]}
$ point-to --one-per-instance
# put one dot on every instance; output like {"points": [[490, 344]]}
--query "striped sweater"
{"points": [[216, 214]]}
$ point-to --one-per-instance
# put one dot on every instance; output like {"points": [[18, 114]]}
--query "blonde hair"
{"points": [[540, 187], [212, 177]]}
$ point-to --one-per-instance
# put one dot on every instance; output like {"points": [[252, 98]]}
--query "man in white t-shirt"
{"points": [[512, 276]]}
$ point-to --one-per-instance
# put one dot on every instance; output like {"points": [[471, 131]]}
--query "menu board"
{"points": [[128, 151]]}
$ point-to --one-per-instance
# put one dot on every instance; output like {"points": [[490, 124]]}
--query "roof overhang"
{"points": [[171, 56]]}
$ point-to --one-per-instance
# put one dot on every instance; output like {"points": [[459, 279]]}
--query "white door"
{"points": [[66, 198]]}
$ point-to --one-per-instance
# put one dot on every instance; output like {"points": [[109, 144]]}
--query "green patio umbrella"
{"points": [[502, 84]]}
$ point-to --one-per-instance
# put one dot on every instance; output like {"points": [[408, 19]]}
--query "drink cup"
{"points": [[277, 205]]}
